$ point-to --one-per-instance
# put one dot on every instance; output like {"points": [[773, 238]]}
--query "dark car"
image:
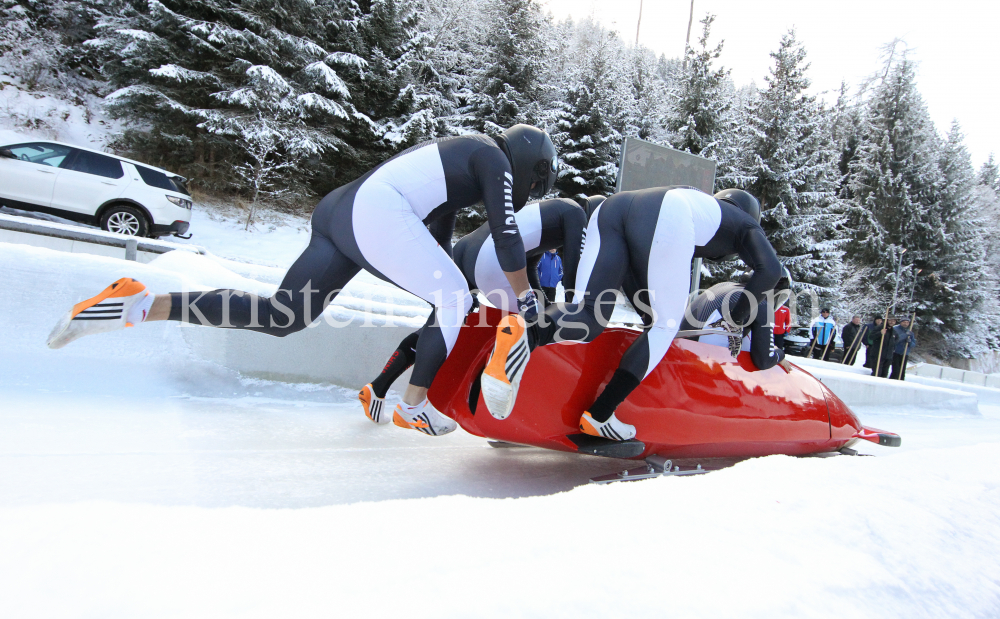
{"points": [[797, 343]]}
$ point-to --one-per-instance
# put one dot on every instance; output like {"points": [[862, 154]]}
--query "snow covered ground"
{"points": [[139, 480]]}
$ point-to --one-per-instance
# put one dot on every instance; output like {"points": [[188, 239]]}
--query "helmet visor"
{"points": [[543, 177]]}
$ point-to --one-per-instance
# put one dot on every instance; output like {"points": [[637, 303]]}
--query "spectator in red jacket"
{"points": [[782, 315]]}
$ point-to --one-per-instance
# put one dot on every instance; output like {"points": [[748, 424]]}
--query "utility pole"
{"points": [[899, 270], [913, 286], [687, 41], [639, 23]]}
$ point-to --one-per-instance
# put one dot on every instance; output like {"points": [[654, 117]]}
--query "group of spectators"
{"points": [[887, 346]]}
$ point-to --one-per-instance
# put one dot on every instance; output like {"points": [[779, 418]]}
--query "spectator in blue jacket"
{"points": [[550, 273], [823, 331], [905, 342]]}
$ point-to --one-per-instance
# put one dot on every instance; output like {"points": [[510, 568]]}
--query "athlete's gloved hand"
{"points": [[527, 306]]}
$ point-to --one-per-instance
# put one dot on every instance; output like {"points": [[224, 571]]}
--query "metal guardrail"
{"points": [[131, 245]]}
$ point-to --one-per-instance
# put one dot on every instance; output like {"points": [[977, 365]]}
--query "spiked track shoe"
{"points": [[506, 366]]}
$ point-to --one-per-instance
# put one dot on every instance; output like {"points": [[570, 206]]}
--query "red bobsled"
{"points": [[699, 402]]}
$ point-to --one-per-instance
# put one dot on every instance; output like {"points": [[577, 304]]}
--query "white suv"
{"points": [[86, 185]]}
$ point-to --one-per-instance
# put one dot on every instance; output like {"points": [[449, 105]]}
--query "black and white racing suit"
{"points": [[642, 242], [758, 338], [379, 222], [551, 224]]}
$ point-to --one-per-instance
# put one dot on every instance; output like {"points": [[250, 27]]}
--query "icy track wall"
{"points": [[372, 317], [348, 346], [40, 284]]}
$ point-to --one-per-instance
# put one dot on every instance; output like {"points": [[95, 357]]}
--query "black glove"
{"points": [[527, 306]]}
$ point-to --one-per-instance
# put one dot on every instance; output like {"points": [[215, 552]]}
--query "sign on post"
{"points": [[644, 165]]}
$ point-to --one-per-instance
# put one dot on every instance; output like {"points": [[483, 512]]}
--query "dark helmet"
{"points": [[533, 160], [785, 281], [783, 289], [741, 200], [591, 203]]}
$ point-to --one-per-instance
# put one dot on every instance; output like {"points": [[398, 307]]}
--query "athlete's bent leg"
{"points": [[372, 395], [599, 277], [394, 241], [668, 259]]}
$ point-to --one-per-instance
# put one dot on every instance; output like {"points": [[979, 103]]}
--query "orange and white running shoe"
{"points": [[124, 303], [503, 372], [374, 406], [613, 428], [424, 418]]}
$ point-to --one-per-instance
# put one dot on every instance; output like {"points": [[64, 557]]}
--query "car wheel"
{"points": [[125, 220]]}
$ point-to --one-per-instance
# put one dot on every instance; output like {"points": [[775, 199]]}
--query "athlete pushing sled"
{"points": [[377, 222], [551, 224], [641, 242]]}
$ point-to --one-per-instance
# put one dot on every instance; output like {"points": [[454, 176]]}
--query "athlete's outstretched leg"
{"points": [[372, 395], [309, 285]]}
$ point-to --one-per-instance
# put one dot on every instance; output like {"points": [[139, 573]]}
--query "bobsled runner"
{"points": [[699, 402]]}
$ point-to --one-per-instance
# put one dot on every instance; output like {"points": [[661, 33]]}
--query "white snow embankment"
{"points": [[357, 333], [860, 391], [771, 537]]}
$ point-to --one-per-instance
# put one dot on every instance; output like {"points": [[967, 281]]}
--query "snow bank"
{"points": [[40, 116], [774, 537], [42, 284]]}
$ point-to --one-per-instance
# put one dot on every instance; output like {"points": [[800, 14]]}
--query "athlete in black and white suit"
{"points": [[706, 310], [552, 224], [379, 222], [642, 242]]}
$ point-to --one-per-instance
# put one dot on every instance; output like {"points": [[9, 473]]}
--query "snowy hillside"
{"points": [[43, 116]]}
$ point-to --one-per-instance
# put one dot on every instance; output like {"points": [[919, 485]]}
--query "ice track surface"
{"points": [[138, 480]]}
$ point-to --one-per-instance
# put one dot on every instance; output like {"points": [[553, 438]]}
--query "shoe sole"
{"points": [[373, 406], [503, 372]]}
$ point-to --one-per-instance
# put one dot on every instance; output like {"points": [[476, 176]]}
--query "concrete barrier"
{"points": [[350, 356], [925, 369], [952, 374], [986, 395], [860, 392]]}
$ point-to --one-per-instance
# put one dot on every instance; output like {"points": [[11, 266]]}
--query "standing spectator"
{"points": [[871, 342], [550, 273], [782, 322], [853, 335], [887, 345], [782, 315], [822, 331], [905, 341]]}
